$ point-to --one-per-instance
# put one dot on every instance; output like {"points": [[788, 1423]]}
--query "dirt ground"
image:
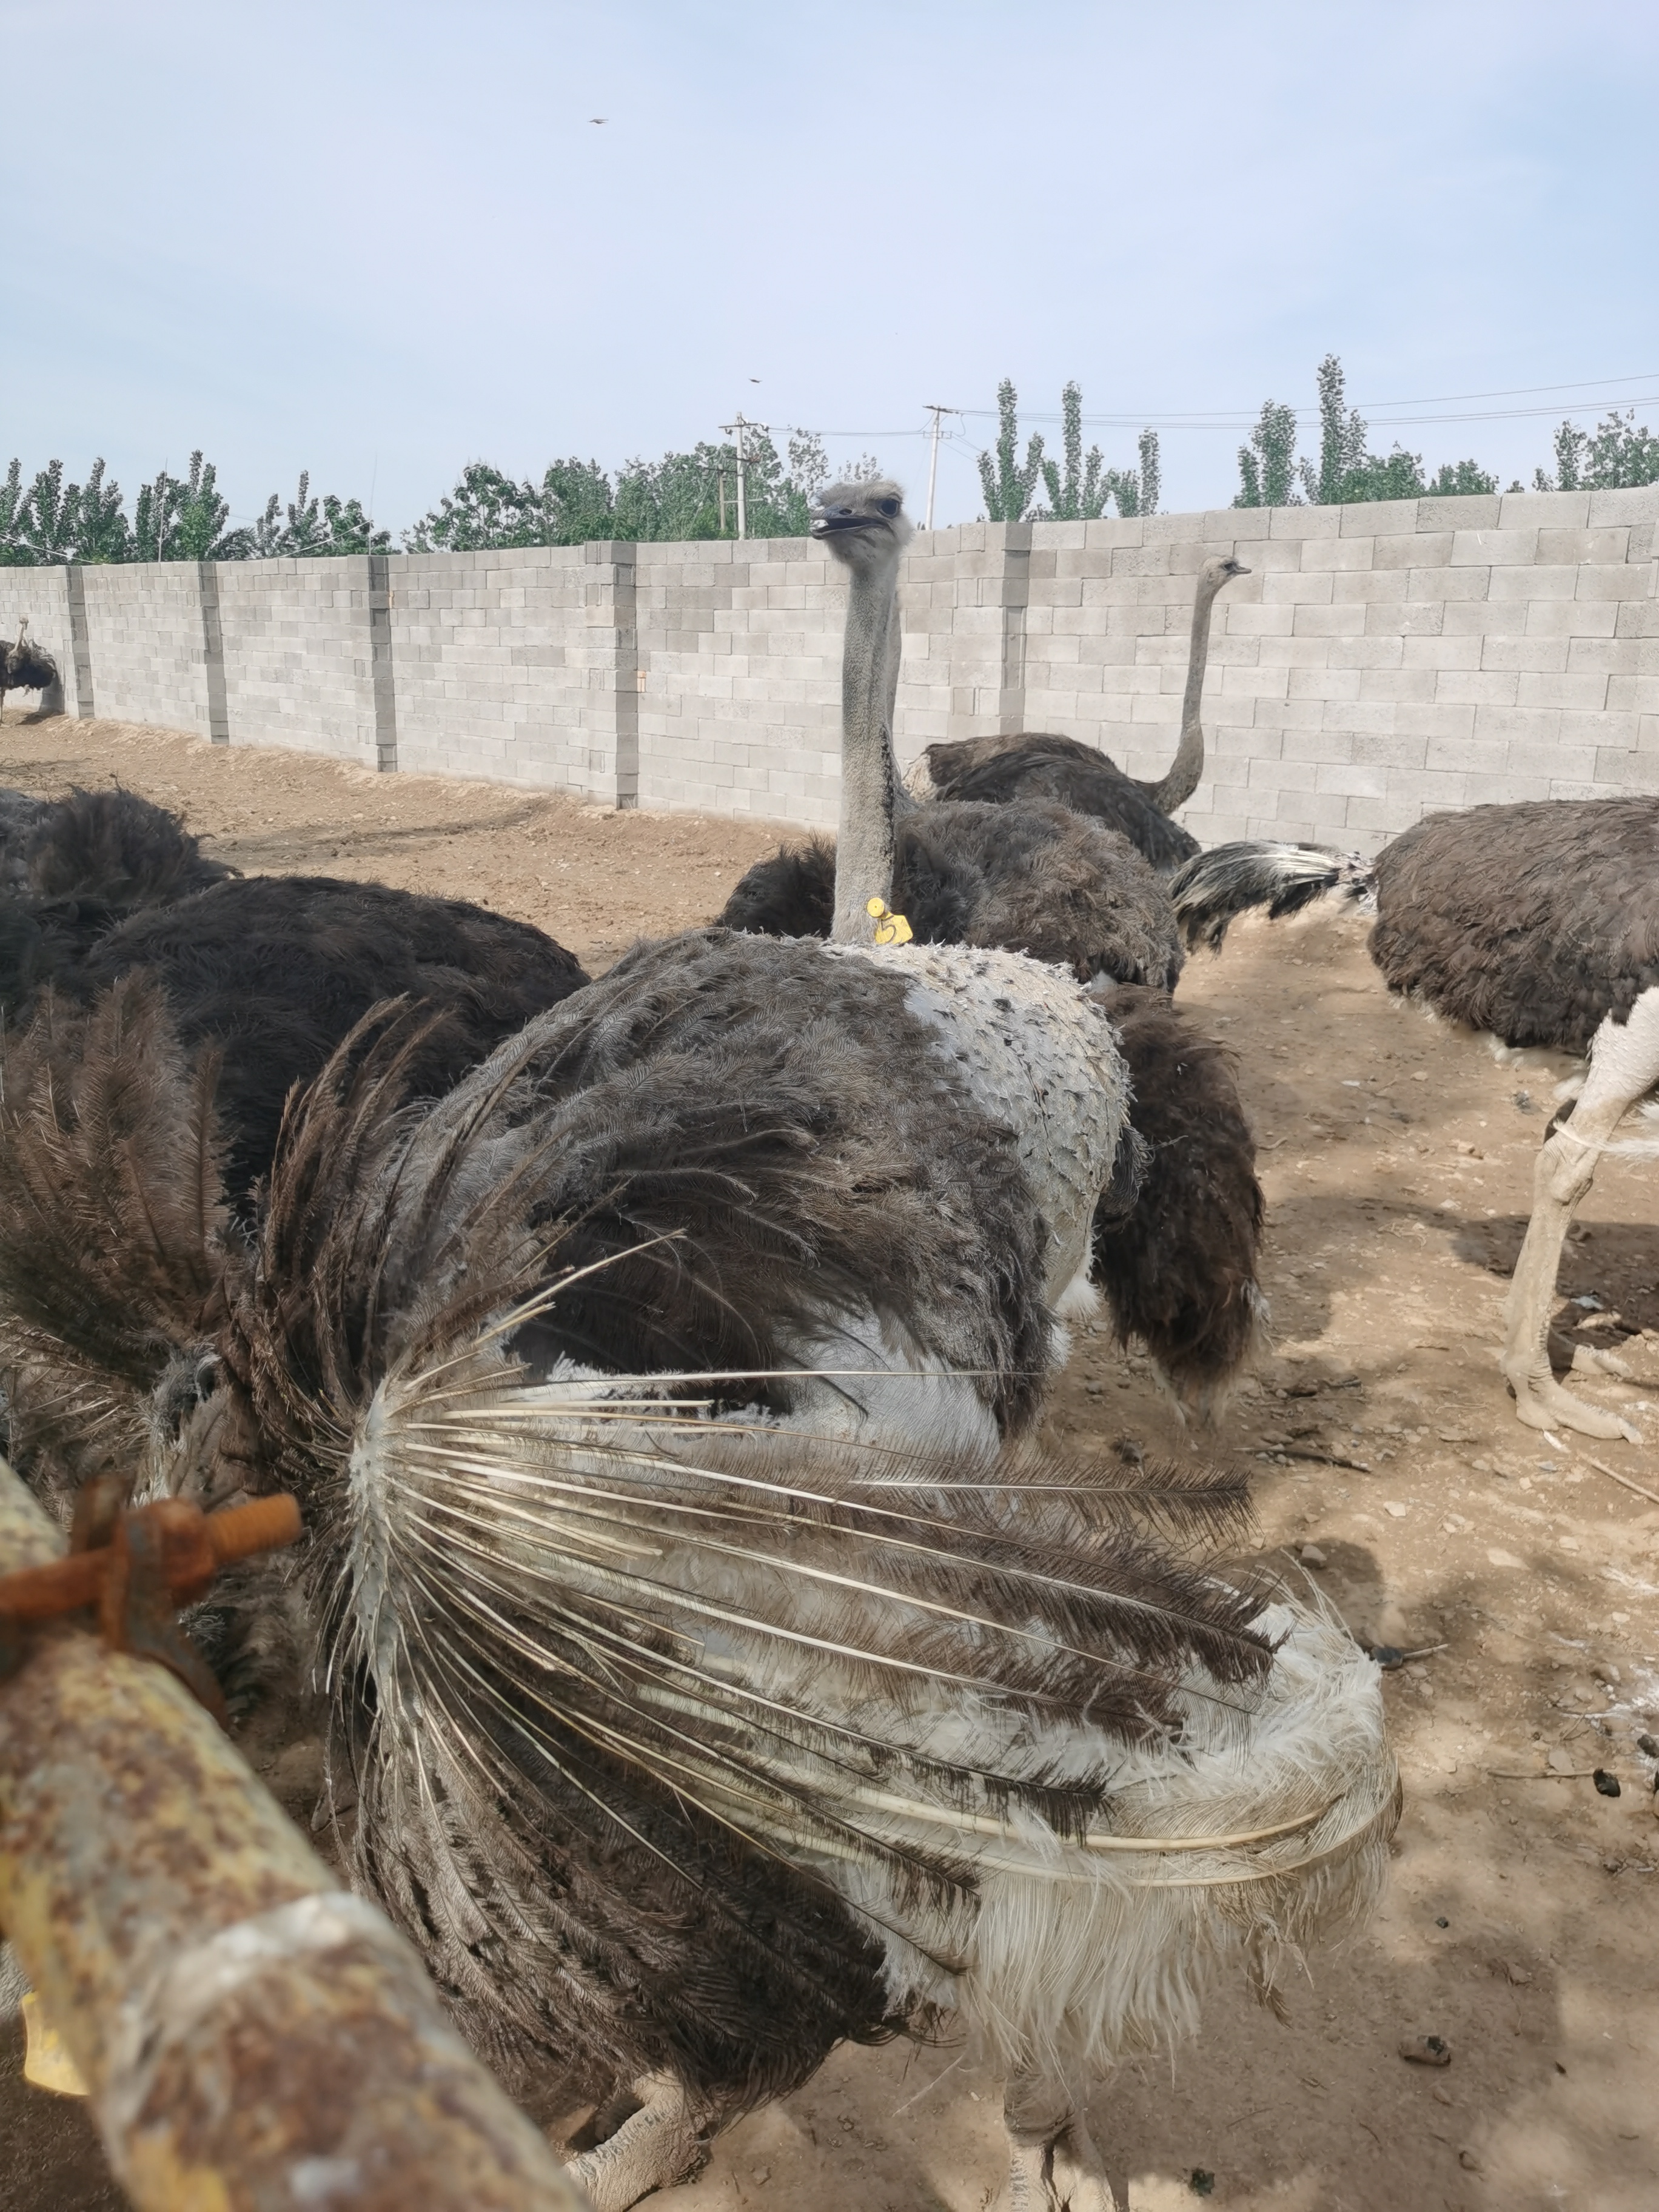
{"points": [[1523, 1925]]}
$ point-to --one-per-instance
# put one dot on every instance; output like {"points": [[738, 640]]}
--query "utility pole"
{"points": [[936, 412], [736, 430]]}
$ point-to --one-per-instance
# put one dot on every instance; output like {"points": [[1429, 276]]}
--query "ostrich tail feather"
{"points": [[1214, 888], [1258, 1833]]}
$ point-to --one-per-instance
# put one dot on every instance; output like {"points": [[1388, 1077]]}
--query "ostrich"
{"points": [[1180, 1269], [25, 667], [1034, 878], [686, 1750], [1045, 766], [1535, 923]]}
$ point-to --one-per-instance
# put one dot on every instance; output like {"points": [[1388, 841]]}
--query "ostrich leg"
{"points": [[1624, 1064], [1052, 2167], [665, 2142]]}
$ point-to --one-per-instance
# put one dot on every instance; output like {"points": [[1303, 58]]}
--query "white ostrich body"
{"points": [[1037, 1055]]}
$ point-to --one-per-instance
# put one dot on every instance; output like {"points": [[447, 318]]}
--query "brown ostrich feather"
{"points": [[114, 1243], [1179, 1269], [1029, 877]]}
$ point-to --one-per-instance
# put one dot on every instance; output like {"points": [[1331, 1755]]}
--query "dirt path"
{"points": [[1523, 1921]]}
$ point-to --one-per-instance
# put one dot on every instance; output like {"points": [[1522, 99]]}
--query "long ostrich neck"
{"points": [[869, 781], [1187, 766]]}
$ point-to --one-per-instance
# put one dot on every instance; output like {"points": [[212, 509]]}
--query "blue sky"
{"points": [[378, 241]]}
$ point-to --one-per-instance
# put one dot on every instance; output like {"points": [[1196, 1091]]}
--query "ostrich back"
{"points": [[756, 1153], [1030, 878], [1043, 765], [274, 971], [72, 869], [1535, 921]]}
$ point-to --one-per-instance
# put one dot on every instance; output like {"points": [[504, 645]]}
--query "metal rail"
{"points": [[251, 2035]]}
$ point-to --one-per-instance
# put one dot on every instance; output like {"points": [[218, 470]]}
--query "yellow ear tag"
{"points": [[45, 2062], [890, 928]]}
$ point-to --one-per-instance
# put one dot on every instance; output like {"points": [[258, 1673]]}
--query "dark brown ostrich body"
{"points": [[273, 971], [1043, 765], [756, 1142], [1535, 921], [1029, 878], [574, 1904], [25, 666]]}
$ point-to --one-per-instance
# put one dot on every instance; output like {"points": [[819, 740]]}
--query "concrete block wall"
{"points": [[147, 644], [298, 668], [491, 667], [739, 678], [1378, 662]]}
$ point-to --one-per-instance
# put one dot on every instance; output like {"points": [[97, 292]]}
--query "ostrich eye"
{"points": [[888, 507]]}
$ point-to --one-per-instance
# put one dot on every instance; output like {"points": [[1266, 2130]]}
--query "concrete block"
{"points": [[1353, 781], [1386, 750], [1586, 689], [1336, 621], [1323, 683], [1350, 553], [1425, 549], [1379, 518], [1640, 504], [1631, 582], [1369, 585], [1478, 512], [1484, 617], [1529, 656], [1295, 586], [1303, 521], [1408, 618], [1550, 509]]}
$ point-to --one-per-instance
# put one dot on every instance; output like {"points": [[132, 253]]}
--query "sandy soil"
{"points": [[1521, 1924]]}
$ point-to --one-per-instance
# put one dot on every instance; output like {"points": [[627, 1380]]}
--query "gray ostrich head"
{"points": [[1220, 568], [864, 525]]}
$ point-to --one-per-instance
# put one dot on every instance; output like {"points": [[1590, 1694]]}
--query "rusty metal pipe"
{"points": [[252, 2037]]}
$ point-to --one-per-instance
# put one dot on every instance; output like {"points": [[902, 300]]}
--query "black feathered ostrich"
{"points": [[25, 666], [1537, 924], [1042, 766], [1180, 1269], [683, 1750]]}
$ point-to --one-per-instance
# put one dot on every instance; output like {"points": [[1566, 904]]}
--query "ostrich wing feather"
{"points": [[113, 1250]]}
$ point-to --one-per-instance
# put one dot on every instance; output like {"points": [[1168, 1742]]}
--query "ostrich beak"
{"points": [[833, 520]]}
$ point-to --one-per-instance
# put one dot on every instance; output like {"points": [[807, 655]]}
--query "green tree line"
{"points": [[1270, 473], [186, 518], [694, 495]]}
